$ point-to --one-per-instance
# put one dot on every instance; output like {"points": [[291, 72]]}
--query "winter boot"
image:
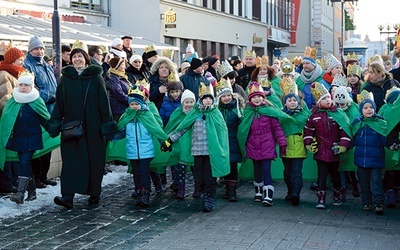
{"points": [[144, 198], [226, 195], [337, 196], [208, 203], [314, 186], [295, 199], [67, 200], [355, 190], [181, 192], [268, 193], [18, 197], [390, 199], [232, 191], [321, 199], [257, 188], [31, 190], [156, 178]]}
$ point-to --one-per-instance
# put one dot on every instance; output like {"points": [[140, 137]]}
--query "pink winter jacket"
{"points": [[265, 133]]}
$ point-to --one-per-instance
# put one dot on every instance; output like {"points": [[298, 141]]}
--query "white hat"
{"points": [[134, 58], [341, 95], [187, 94], [26, 78], [190, 48], [116, 42]]}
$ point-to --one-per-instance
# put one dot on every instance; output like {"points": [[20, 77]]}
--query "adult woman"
{"points": [[160, 71], [83, 158], [137, 70]]}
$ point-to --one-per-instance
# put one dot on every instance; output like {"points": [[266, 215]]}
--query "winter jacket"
{"points": [[139, 141], [191, 81], [134, 74], [45, 80], [369, 148], [239, 90], [295, 147], [118, 94], [229, 112], [244, 74], [264, 133], [379, 92], [326, 131], [155, 96], [167, 108]]}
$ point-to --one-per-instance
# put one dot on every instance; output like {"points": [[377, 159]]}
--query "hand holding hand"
{"points": [[394, 146], [312, 148], [166, 145]]}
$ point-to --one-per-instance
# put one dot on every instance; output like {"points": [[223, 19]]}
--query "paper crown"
{"points": [[354, 69], [224, 68], [331, 61], [391, 90], [352, 57], [322, 63], [251, 53], [79, 45], [103, 48], [286, 66], [297, 60], [168, 53], [364, 95], [375, 59], [262, 61], [223, 86], [141, 87], [288, 86], [340, 80], [318, 91], [173, 76], [205, 89], [254, 88], [264, 82], [149, 48], [310, 52], [4, 47]]}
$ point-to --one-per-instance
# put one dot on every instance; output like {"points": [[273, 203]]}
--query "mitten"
{"points": [[394, 146], [166, 145], [312, 149], [283, 150], [341, 149]]}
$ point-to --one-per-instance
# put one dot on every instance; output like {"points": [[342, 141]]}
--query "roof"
{"points": [[20, 28]]}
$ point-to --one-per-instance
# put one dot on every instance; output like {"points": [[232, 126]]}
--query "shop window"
{"points": [[86, 4]]}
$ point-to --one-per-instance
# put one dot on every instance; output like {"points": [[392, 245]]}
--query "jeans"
{"points": [[40, 166], [9, 175], [262, 171], [25, 163], [331, 168], [371, 185], [141, 171], [203, 173], [293, 174]]}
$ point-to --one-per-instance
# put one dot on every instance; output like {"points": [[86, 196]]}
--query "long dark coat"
{"points": [[82, 159]]}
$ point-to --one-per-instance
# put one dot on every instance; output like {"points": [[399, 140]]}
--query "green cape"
{"points": [[217, 138], [7, 121], [347, 158], [341, 118]]}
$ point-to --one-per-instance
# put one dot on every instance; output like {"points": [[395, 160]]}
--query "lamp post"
{"points": [[56, 41], [388, 32]]}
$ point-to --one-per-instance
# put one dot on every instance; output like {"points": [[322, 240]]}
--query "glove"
{"points": [[394, 146], [52, 100], [166, 146], [283, 150], [312, 149], [342, 149], [338, 149]]}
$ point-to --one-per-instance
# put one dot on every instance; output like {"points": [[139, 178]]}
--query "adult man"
{"points": [[194, 76], [149, 56], [96, 55], [65, 52], [310, 73], [249, 66], [46, 83], [126, 43]]}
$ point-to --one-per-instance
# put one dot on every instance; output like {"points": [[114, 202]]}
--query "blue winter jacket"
{"points": [[369, 148], [119, 94], [45, 80], [167, 107], [139, 141]]}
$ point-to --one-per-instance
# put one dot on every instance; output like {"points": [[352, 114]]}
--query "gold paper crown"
{"points": [[375, 59], [297, 60], [340, 80], [286, 66], [318, 91], [4, 47], [364, 95], [223, 86], [322, 63], [251, 53], [168, 53], [103, 48], [144, 83], [262, 61], [224, 68], [392, 89], [205, 89], [288, 86], [310, 52], [264, 82], [26, 73], [150, 48], [173, 76], [354, 69], [352, 57], [141, 87], [254, 87], [79, 45]]}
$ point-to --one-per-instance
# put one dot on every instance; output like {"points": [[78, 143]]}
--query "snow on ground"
{"points": [[45, 196]]}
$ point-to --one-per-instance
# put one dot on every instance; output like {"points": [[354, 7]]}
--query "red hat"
{"points": [[12, 54]]}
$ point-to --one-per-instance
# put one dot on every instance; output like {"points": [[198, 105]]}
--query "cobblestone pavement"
{"points": [[179, 224]]}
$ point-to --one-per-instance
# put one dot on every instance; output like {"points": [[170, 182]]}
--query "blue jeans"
{"points": [[141, 171], [293, 174], [25, 163], [9, 175], [262, 171], [371, 185]]}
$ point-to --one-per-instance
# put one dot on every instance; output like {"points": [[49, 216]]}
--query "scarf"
{"points": [[118, 73], [12, 69], [25, 97], [310, 77], [380, 82], [328, 77]]}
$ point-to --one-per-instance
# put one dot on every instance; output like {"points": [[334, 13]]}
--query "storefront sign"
{"points": [[294, 20], [170, 16], [257, 39], [278, 35]]}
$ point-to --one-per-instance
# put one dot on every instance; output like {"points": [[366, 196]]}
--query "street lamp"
{"points": [[388, 32]]}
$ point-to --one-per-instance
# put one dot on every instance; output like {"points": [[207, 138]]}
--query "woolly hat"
{"points": [[26, 78], [210, 78], [116, 42], [195, 63], [189, 48], [185, 65], [135, 58], [255, 88], [341, 95], [310, 55], [136, 98], [174, 86], [115, 62], [367, 101], [212, 60], [187, 94], [332, 62], [35, 42], [392, 95], [12, 54]]}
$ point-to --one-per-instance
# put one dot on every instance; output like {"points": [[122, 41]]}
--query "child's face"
{"points": [[287, 76], [336, 70], [353, 79], [263, 71], [175, 94], [226, 98], [188, 104], [291, 103], [207, 101], [368, 110], [257, 100], [326, 102], [24, 88], [134, 105]]}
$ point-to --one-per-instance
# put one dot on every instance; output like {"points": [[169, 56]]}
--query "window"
{"points": [[240, 8], [214, 4], [205, 3], [257, 10], [231, 7], [86, 4], [223, 5]]}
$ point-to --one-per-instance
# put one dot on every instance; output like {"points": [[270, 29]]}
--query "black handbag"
{"points": [[74, 129]]}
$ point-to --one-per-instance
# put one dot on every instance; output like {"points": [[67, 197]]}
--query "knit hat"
{"points": [[341, 95], [195, 63], [35, 42], [12, 54], [254, 89], [319, 91], [367, 101], [116, 42], [174, 86], [190, 48], [115, 62], [212, 60], [332, 62], [392, 94], [135, 58], [187, 94], [185, 65], [26, 78], [136, 94], [310, 54]]}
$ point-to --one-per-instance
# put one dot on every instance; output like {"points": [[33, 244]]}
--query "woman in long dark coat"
{"points": [[83, 159]]}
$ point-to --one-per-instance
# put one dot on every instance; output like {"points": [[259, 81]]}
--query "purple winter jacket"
{"points": [[265, 132]]}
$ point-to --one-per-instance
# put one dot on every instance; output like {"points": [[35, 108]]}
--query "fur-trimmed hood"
{"points": [[170, 65]]}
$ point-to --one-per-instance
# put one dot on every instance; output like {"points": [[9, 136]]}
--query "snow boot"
{"points": [[268, 193], [31, 190], [18, 197]]}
